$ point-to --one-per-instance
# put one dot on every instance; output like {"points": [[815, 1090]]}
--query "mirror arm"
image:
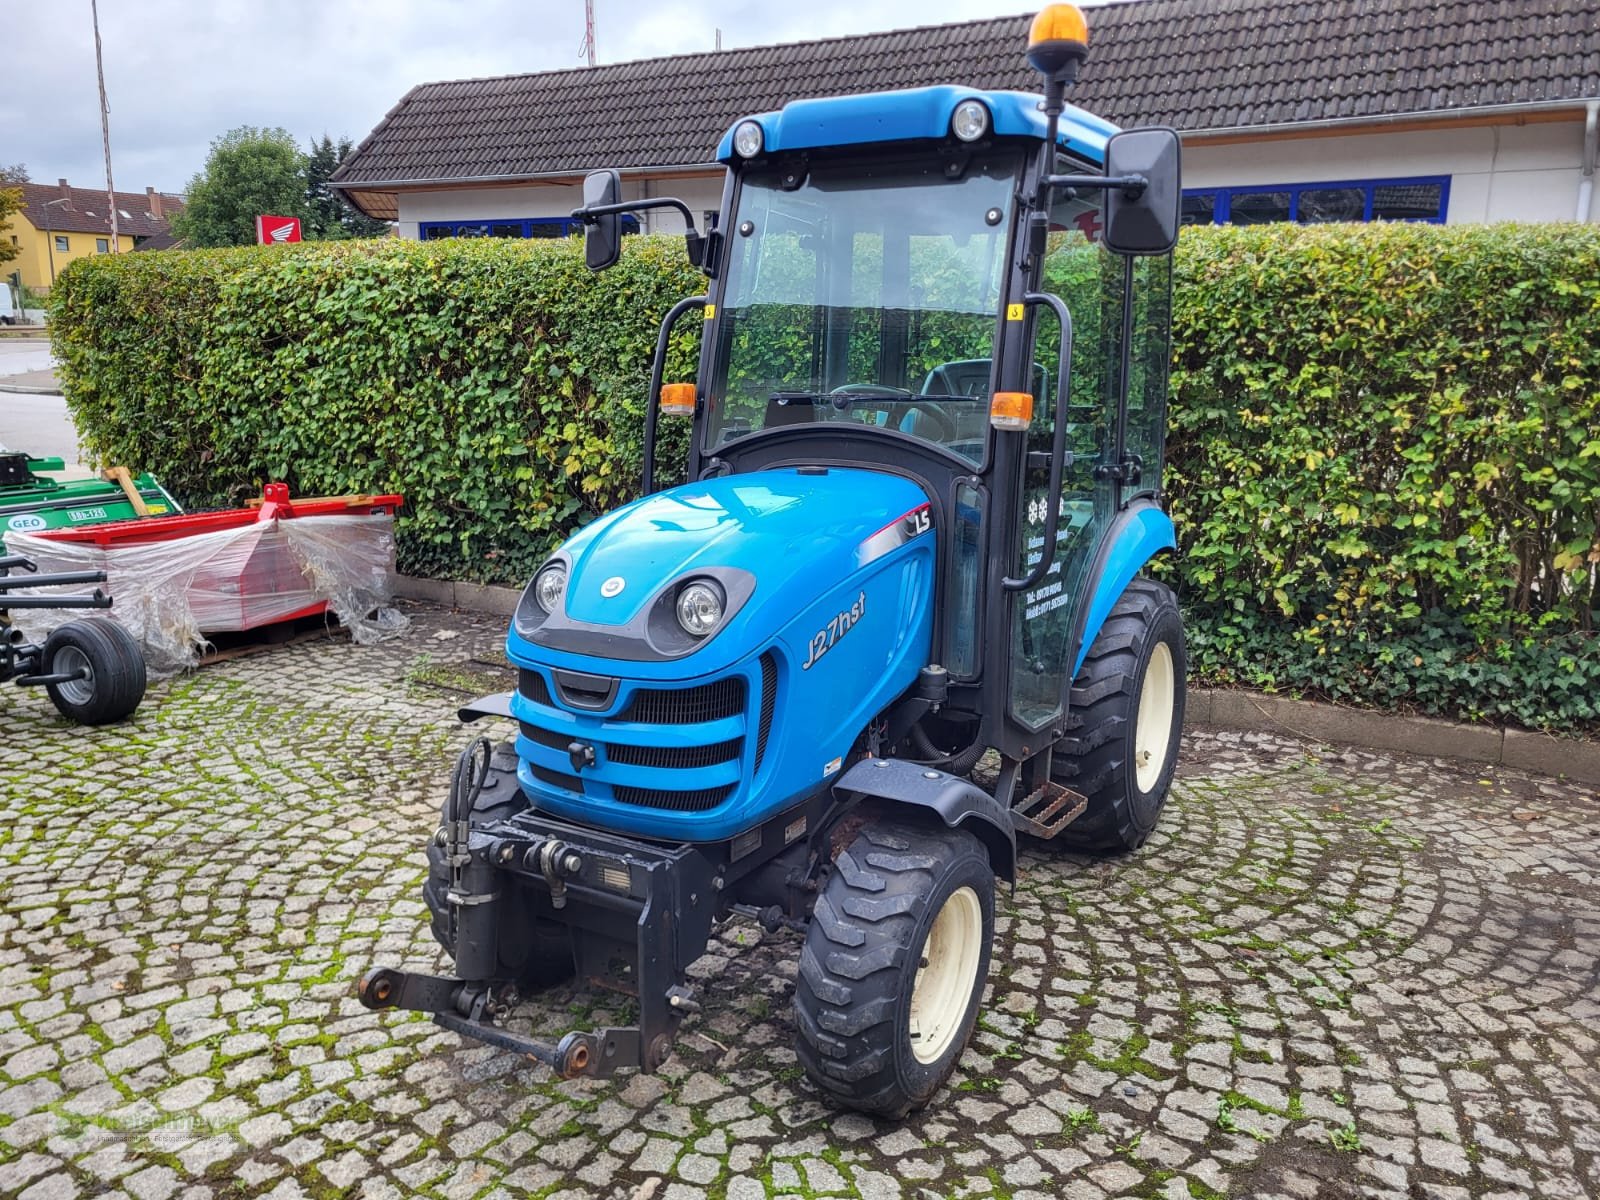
{"points": [[691, 236], [1133, 186], [1058, 447]]}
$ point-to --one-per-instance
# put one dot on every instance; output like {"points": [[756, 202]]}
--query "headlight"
{"points": [[549, 587], [747, 139], [699, 608], [970, 121]]}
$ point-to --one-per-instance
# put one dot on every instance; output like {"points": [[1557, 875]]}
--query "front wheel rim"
{"points": [[942, 990], [66, 661], [1152, 731]]}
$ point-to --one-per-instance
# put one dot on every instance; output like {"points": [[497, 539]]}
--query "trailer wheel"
{"points": [[109, 660], [894, 966], [534, 952], [1130, 695]]}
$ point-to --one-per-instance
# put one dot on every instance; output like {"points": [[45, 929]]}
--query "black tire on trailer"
{"points": [[534, 952], [894, 965], [112, 665], [1130, 696]]}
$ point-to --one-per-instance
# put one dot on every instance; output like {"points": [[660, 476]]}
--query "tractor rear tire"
{"points": [[115, 680], [1130, 696], [535, 953], [894, 966]]}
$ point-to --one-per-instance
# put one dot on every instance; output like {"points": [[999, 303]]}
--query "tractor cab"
{"points": [[952, 287], [894, 617]]}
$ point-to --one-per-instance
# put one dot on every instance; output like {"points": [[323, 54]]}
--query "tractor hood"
{"points": [[771, 542]]}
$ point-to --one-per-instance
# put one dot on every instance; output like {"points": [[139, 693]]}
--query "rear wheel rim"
{"points": [[67, 660], [942, 991], [1152, 731]]}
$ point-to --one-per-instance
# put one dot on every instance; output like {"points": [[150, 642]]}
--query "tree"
{"points": [[332, 216], [249, 172], [14, 173], [10, 203]]}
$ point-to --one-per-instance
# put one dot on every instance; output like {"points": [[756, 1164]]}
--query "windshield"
{"points": [[869, 293]]}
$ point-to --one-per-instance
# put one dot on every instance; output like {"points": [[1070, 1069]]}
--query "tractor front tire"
{"points": [[112, 666], [894, 965], [535, 952], [1130, 697]]}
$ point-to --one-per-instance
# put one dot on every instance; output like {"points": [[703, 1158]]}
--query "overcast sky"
{"points": [[181, 72]]}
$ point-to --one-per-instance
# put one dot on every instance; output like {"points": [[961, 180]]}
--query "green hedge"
{"points": [[498, 385], [1385, 463], [1385, 440]]}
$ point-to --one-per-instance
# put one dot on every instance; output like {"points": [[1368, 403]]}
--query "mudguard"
{"points": [[959, 803], [497, 705], [1141, 531]]}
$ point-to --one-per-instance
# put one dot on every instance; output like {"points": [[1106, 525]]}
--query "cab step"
{"points": [[1047, 810]]}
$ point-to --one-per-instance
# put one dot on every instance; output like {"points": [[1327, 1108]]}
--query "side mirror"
{"points": [[1146, 223], [602, 232]]}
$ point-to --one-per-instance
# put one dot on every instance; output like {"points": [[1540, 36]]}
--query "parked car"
{"points": [[9, 313]]}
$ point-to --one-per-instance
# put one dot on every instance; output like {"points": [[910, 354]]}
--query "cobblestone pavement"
{"points": [[1329, 974]]}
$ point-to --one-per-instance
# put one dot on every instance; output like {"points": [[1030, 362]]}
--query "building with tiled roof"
{"points": [[59, 223], [1443, 110]]}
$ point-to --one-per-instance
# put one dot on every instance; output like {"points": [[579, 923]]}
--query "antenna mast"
{"points": [[105, 126], [588, 30]]}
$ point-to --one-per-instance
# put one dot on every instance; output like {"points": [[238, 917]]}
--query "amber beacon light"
{"points": [[1058, 42], [1011, 411], [677, 399]]}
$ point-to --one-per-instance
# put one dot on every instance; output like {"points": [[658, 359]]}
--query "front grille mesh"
{"points": [[679, 707], [569, 783], [769, 702], [687, 706], [532, 685], [674, 757], [700, 801]]}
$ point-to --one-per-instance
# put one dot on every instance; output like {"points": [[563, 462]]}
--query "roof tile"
{"points": [[1193, 64]]}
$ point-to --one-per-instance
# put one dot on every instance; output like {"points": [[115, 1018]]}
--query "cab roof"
{"points": [[913, 114]]}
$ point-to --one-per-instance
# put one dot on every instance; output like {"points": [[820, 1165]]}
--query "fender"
{"points": [[497, 705], [958, 802], [1137, 534]]}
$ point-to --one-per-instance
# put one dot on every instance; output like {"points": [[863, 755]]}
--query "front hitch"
{"points": [[639, 912], [461, 1008]]}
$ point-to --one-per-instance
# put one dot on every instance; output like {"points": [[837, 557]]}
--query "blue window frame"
{"points": [[516, 227], [1424, 198]]}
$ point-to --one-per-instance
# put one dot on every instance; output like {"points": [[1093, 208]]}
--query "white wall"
{"points": [[1497, 172], [701, 194]]}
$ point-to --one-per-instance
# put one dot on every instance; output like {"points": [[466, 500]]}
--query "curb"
{"points": [[1247, 712], [23, 389]]}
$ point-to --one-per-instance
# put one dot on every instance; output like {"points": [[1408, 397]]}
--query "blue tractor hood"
{"points": [[773, 542]]}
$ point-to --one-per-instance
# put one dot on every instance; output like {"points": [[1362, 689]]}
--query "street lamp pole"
{"points": [[50, 238]]}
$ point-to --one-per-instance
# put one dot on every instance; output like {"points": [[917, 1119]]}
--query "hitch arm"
{"points": [[458, 1007]]}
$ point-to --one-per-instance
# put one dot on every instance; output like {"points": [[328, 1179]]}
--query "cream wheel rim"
{"points": [[1152, 732], [942, 991]]}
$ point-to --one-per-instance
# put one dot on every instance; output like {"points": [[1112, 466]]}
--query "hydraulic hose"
{"points": [[957, 764]]}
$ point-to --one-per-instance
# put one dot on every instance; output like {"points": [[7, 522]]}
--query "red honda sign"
{"points": [[274, 231]]}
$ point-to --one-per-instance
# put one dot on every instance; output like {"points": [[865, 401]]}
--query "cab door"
{"points": [[1077, 269]]}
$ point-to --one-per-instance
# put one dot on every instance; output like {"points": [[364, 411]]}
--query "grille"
{"points": [[700, 801], [569, 783], [678, 757], [532, 685], [687, 706], [769, 702], [546, 737]]}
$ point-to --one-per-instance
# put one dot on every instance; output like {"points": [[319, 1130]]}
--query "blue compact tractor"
{"points": [[895, 618]]}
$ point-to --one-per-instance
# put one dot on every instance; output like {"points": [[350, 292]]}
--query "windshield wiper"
{"points": [[846, 399]]}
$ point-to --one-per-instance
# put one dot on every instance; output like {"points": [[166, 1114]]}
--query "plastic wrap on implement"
{"points": [[170, 594]]}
